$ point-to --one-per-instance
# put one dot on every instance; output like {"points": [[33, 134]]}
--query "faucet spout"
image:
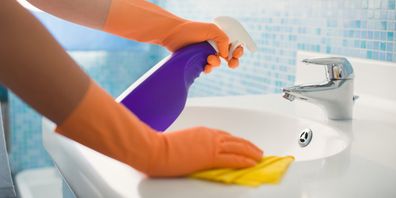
{"points": [[288, 96], [335, 95]]}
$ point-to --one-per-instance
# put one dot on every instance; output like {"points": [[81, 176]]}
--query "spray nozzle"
{"points": [[236, 32]]}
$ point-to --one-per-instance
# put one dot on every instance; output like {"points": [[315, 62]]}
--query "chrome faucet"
{"points": [[335, 94]]}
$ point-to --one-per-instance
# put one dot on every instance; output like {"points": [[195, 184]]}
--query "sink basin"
{"points": [[276, 134], [91, 174]]}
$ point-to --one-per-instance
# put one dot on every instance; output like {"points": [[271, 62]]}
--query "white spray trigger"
{"points": [[236, 33]]}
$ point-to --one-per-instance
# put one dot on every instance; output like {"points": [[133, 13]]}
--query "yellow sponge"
{"points": [[269, 170]]}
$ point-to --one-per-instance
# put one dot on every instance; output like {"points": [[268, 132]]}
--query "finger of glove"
{"points": [[233, 161], [220, 38], [221, 132], [238, 52], [207, 69], [233, 63], [213, 60], [241, 148], [237, 139]]}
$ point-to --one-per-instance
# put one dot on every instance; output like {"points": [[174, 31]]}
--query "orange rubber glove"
{"points": [[109, 128], [146, 22]]}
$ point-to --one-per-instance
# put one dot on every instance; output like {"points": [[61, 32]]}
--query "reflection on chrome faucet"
{"points": [[335, 95]]}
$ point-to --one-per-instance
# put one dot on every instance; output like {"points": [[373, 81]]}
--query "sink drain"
{"points": [[305, 137]]}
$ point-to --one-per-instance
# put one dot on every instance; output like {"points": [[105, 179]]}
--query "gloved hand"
{"points": [[144, 21], [189, 150], [109, 128], [233, 62]]}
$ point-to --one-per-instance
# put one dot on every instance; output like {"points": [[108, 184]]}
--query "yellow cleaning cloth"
{"points": [[269, 170]]}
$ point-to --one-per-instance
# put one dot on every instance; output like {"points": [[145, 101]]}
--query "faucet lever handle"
{"points": [[337, 68]]}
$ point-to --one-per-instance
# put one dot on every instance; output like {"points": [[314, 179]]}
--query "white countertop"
{"points": [[366, 168]]}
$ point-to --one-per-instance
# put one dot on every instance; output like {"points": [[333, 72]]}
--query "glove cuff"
{"points": [[106, 126], [140, 21]]}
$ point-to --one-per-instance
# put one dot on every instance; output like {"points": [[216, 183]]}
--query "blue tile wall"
{"points": [[27, 150], [359, 28]]}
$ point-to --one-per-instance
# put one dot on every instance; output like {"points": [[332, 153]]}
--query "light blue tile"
{"points": [[389, 57], [370, 34], [370, 54], [375, 55], [389, 47], [377, 35], [391, 15], [383, 25], [382, 46], [364, 4], [391, 4], [356, 44], [376, 45], [390, 36], [364, 24], [383, 36], [371, 4], [381, 56], [384, 4], [345, 43], [370, 45], [363, 45], [328, 49], [383, 15], [364, 35], [358, 24]]}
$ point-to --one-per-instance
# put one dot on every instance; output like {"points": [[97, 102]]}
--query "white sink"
{"points": [[276, 134], [91, 174]]}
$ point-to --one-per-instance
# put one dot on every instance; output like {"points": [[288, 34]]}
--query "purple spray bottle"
{"points": [[159, 96]]}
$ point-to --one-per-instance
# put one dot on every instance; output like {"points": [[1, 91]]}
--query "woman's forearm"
{"points": [[90, 13], [35, 67]]}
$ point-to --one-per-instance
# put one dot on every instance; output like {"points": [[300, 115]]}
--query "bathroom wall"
{"points": [[359, 28]]}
